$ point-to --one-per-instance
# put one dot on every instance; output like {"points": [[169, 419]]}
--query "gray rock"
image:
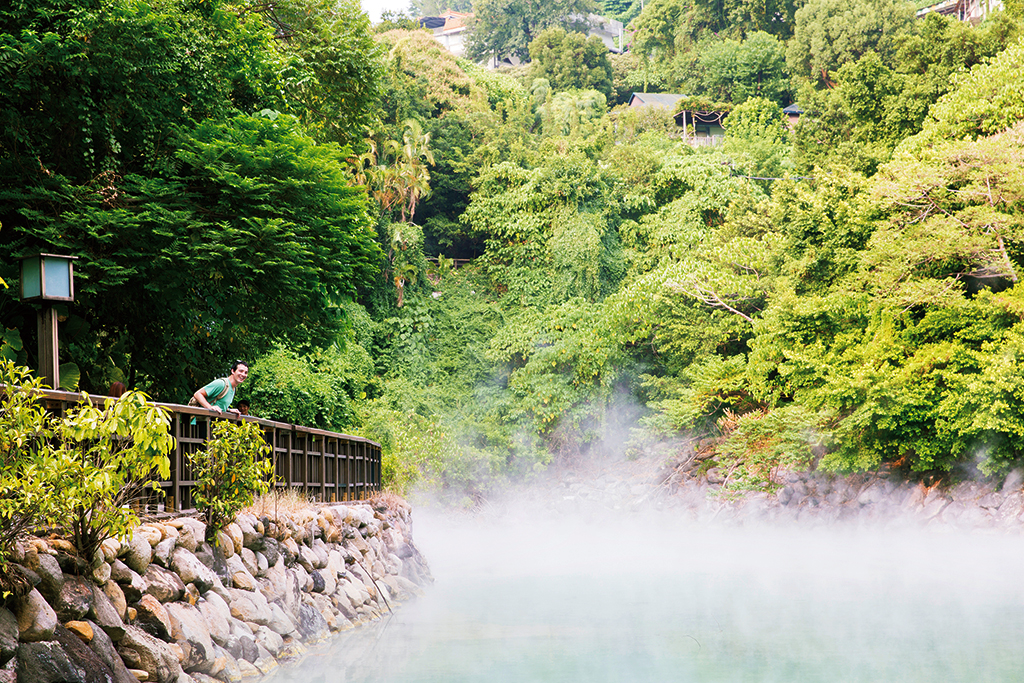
{"points": [[120, 572], [162, 551], [241, 644], [216, 615], [47, 662], [318, 581], [139, 553], [250, 606], [163, 585], [281, 622], [105, 614], [231, 673], [262, 564], [1012, 482], [214, 558], [8, 635], [153, 656], [51, 578], [312, 626], [188, 567], [36, 619], [191, 632], [134, 588], [191, 533], [271, 550], [103, 646], [75, 599], [248, 558], [82, 656], [270, 640]]}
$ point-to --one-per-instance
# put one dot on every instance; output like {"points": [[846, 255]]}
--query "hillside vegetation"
{"points": [[491, 271]]}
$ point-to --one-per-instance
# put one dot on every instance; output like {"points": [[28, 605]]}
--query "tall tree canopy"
{"points": [[571, 61], [503, 28], [144, 140]]}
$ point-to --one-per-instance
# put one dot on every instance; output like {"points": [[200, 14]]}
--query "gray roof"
{"points": [[793, 109], [657, 99]]}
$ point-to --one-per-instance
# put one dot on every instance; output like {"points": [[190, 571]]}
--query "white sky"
{"points": [[375, 7]]}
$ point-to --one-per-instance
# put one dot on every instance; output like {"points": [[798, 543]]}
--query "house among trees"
{"points": [[654, 99], [792, 114], [449, 29], [701, 120], [973, 11]]}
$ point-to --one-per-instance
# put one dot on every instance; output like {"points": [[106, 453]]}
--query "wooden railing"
{"points": [[326, 466]]}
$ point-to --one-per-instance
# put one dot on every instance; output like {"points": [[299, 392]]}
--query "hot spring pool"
{"points": [[645, 600]]}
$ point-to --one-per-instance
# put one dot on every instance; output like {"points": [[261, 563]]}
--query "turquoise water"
{"points": [[625, 601]]}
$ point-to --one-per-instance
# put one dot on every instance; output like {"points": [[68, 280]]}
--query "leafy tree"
{"points": [[503, 28], [571, 61], [335, 75], [756, 137], [256, 237], [230, 472], [830, 33], [734, 71], [985, 101]]}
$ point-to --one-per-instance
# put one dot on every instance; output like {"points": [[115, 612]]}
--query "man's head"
{"points": [[243, 407], [239, 371]]}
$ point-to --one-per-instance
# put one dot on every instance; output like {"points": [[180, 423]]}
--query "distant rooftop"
{"points": [[654, 99]]}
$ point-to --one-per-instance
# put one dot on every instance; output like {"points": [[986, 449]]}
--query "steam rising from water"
{"points": [[627, 597]]}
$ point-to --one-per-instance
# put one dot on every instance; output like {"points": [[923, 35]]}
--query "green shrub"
{"points": [[107, 457], [229, 474], [27, 474]]}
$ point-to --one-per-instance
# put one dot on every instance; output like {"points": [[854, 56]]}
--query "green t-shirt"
{"points": [[215, 389]]}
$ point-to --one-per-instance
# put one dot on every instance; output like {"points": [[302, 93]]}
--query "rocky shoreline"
{"points": [[167, 607], [879, 499]]}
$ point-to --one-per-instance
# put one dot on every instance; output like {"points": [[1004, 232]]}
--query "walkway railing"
{"points": [[326, 466]]}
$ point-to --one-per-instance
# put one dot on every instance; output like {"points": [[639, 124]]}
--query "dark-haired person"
{"points": [[243, 407], [218, 394]]}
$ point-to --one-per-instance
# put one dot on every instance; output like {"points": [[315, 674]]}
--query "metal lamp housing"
{"points": [[48, 277]]}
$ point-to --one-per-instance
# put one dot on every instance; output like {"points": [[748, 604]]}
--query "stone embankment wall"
{"points": [[167, 607]]}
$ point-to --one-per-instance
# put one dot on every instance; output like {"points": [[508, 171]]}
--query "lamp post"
{"points": [[48, 278]]}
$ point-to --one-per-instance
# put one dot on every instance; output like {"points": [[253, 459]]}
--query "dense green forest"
{"points": [[490, 271]]}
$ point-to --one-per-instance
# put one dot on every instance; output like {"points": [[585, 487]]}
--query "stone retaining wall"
{"points": [[165, 606]]}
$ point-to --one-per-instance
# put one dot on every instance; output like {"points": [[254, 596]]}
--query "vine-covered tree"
{"points": [[571, 61]]}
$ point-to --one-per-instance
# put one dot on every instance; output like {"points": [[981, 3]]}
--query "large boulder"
{"points": [[103, 646], [74, 600], [269, 639], [105, 614], [47, 662], [142, 651], [51, 578], [216, 615], [116, 597], [191, 632], [83, 657], [162, 551], [36, 619], [249, 606], [191, 532], [281, 622], [163, 585], [153, 618], [234, 532], [188, 567], [139, 552], [9, 632]]}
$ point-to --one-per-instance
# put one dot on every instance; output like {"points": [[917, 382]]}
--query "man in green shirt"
{"points": [[218, 394]]}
